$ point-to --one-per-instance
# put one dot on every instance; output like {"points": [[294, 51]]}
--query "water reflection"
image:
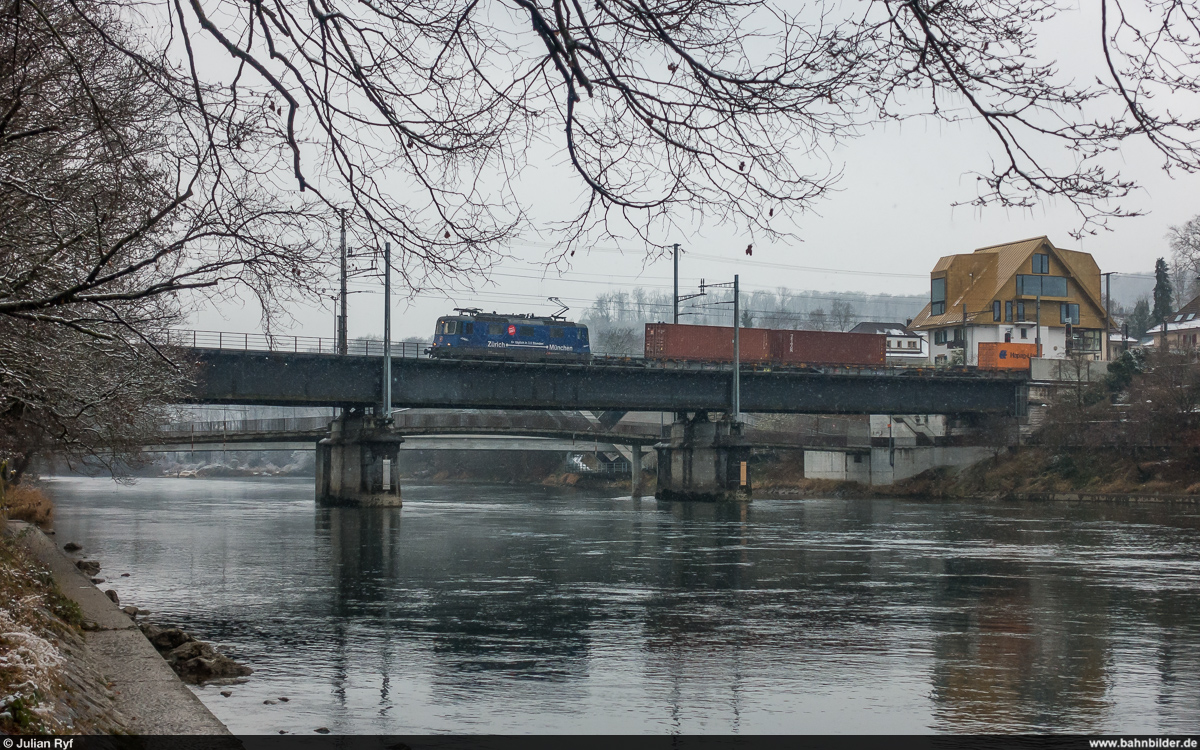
{"points": [[505, 609]]}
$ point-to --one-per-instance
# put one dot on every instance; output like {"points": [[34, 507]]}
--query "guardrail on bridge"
{"points": [[263, 342]]}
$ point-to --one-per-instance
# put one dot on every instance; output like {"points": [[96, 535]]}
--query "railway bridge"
{"points": [[705, 456]]}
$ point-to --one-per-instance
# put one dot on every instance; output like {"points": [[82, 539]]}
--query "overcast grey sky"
{"points": [[881, 232]]}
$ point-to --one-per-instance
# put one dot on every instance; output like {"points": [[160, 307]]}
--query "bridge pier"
{"points": [[705, 459], [635, 469], [357, 464]]}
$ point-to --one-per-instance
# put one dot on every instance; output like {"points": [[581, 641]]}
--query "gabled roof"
{"points": [[887, 329], [991, 268], [1181, 315]]}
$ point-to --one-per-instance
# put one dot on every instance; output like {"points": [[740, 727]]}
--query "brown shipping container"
{"points": [[705, 343], [763, 346], [998, 356], [828, 348]]}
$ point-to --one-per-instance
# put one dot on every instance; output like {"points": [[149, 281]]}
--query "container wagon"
{"points": [[691, 343]]}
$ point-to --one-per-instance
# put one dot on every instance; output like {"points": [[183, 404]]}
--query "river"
{"points": [[502, 609]]}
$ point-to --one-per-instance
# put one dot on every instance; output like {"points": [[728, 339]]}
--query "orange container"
{"points": [[1001, 356]]}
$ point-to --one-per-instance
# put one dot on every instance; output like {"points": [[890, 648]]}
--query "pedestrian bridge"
{"points": [[457, 430]]}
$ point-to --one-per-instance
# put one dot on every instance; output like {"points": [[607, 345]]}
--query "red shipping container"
{"points": [[828, 348], [705, 343], [763, 346]]}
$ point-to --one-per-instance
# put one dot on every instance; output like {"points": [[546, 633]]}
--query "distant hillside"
{"points": [[1128, 288], [618, 319]]}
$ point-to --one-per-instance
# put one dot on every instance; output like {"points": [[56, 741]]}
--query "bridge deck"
{"points": [[310, 379]]}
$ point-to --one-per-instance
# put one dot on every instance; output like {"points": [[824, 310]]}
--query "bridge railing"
{"points": [[421, 422], [232, 426], [262, 342]]}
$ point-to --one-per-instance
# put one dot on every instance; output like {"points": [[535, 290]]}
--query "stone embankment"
{"points": [[100, 674]]}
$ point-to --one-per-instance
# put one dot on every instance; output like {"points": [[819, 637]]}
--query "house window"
{"points": [[1024, 333], [1068, 313], [1046, 286], [1008, 312], [1020, 311], [996, 310], [1086, 340], [1041, 263], [939, 337], [937, 297], [912, 345]]}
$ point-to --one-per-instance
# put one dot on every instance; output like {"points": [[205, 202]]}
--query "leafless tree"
{"points": [[421, 114], [1185, 250], [621, 341], [841, 315], [111, 207], [818, 320]]}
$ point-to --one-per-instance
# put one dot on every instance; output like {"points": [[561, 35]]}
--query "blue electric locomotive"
{"points": [[473, 333]]}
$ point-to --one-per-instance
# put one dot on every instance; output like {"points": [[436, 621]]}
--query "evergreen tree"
{"points": [[1140, 321], [1162, 292]]}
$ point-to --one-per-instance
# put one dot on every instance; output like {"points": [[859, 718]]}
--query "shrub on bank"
{"points": [[24, 503]]}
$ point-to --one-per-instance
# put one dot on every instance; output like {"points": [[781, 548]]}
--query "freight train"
{"points": [[763, 346], [473, 333]]}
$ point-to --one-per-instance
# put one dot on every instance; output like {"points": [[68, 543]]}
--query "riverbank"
{"points": [[1030, 473], [71, 662]]}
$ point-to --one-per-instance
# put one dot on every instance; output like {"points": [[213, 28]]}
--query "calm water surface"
{"points": [[482, 608]]}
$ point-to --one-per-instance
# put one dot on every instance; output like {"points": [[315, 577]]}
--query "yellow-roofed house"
{"points": [[1001, 293]]}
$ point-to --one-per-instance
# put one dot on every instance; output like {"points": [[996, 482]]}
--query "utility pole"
{"points": [[966, 351], [736, 410], [342, 338], [737, 358], [1107, 315], [1038, 318], [675, 297], [387, 331]]}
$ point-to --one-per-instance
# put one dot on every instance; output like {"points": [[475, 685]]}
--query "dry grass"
{"points": [[25, 503]]}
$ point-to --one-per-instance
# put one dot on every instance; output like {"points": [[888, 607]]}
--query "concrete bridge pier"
{"points": [[706, 459], [357, 464], [635, 470]]}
